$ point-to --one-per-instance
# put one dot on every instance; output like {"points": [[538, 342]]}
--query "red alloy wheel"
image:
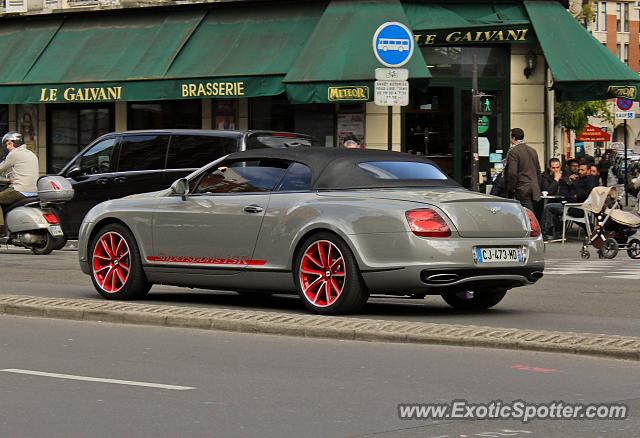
{"points": [[111, 262], [322, 273]]}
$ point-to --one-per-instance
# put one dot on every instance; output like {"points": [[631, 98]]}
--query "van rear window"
{"points": [[195, 151], [275, 140]]}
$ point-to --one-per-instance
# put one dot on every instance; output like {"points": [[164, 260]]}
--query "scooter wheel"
{"points": [[48, 246], [586, 255]]}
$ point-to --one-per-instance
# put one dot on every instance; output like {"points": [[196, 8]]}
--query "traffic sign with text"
{"points": [[389, 93], [628, 115]]}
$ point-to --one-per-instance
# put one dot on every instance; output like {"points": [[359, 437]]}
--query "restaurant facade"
{"points": [[305, 66]]}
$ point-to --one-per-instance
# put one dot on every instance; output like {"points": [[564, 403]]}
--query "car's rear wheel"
{"points": [[474, 300], [116, 269], [327, 276]]}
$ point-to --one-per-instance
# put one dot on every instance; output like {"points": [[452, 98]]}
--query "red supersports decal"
{"points": [[235, 260]]}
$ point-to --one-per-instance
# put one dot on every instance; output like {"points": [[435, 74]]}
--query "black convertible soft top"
{"points": [[338, 168]]}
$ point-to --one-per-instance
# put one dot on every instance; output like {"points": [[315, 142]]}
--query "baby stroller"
{"points": [[613, 226]]}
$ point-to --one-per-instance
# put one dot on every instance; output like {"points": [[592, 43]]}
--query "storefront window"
{"points": [[71, 128], [168, 114], [225, 114], [458, 61], [277, 114]]}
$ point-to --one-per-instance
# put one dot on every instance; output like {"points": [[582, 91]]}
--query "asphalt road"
{"points": [[596, 296], [236, 385]]}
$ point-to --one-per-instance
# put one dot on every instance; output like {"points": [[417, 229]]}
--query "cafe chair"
{"points": [[568, 220]]}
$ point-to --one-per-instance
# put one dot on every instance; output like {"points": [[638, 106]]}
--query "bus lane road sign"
{"points": [[393, 44]]}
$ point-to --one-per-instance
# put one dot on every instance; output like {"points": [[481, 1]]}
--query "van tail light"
{"points": [[51, 218], [425, 222], [534, 226]]}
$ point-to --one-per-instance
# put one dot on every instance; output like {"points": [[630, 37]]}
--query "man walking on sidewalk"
{"points": [[522, 174]]}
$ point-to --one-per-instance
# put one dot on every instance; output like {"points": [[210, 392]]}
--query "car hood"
{"points": [[158, 194], [473, 214]]}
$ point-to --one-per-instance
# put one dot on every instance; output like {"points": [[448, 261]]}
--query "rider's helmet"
{"points": [[14, 136]]}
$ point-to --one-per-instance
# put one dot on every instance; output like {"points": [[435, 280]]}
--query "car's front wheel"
{"points": [[327, 276], [474, 300], [116, 269]]}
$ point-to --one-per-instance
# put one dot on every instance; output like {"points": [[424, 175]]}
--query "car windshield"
{"points": [[402, 170]]}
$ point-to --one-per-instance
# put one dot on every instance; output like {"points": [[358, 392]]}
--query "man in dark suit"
{"points": [[522, 173]]}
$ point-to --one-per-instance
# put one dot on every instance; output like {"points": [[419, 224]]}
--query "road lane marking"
{"points": [[97, 379]]}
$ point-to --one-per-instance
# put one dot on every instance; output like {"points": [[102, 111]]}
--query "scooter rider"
{"points": [[21, 167]]}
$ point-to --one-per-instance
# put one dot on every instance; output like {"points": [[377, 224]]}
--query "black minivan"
{"points": [[125, 163]]}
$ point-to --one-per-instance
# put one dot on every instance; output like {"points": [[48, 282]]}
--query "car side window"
{"points": [[194, 151], [297, 178], [98, 158], [243, 177], [143, 152]]}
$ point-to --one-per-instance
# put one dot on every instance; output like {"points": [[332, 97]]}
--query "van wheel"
{"points": [[474, 300], [327, 276], [116, 269]]}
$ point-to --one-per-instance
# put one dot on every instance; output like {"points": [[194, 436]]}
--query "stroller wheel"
{"points": [[633, 249], [585, 254], [609, 248]]}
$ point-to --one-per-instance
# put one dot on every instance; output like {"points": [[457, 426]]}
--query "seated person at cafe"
{"points": [[574, 190], [551, 178], [571, 168]]}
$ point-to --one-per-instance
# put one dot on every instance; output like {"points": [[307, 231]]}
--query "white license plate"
{"points": [[498, 255], [55, 230]]}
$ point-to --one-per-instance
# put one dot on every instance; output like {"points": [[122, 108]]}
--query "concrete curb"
{"points": [[311, 326]]}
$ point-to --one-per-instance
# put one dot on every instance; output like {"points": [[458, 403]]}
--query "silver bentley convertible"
{"points": [[333, 226]]}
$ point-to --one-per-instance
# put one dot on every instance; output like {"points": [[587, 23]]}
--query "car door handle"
{"points": [[120, 179], [253, 209], [102, 181]]}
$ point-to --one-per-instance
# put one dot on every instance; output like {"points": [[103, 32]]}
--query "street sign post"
{"points": [[393, 45]]}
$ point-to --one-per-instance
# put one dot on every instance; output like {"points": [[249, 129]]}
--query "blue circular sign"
{"points": [[393, 44], [624, 104]]}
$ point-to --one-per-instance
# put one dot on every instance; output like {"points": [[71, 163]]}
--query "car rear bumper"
{"points": [[437, 280]]}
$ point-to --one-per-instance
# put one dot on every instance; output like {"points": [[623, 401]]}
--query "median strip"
{"points": [[328, 327]]}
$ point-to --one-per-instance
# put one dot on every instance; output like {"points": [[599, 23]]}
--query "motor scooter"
{"points": [[31, 223]]}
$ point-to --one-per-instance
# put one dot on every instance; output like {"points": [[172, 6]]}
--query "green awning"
{"points": [[438, 24], [582, 68], [338, 56], [217, 52]]}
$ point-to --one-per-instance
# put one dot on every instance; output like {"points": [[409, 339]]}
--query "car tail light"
{"points": [[50, 218], [533, 224], [425, 222]]}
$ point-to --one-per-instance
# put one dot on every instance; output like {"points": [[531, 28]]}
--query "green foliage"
{"points": [[575, 115], [587, 11]]}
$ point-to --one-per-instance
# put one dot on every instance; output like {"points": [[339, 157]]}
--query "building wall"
{"points": [[528, 98]]}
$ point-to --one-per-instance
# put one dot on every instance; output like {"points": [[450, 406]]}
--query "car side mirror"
{"points": [[73, 172], [180, 187]]}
